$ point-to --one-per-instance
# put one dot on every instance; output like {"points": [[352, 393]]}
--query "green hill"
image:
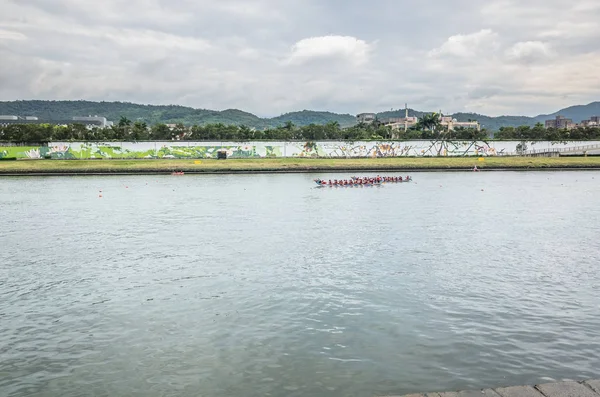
{"points": [[577, 112], [494, 123], [154, 114], [306, 117]]}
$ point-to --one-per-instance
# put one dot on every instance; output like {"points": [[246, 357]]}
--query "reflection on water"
{"points": [[263, 285]]}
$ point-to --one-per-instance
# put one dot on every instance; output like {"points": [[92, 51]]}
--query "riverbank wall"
{"points": [[264, 149]]}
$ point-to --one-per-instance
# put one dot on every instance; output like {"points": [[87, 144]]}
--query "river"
{"points": [[263, 285]]}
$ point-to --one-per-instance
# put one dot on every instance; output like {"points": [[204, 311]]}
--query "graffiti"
{"points": [[486, 150], [207, 150]]}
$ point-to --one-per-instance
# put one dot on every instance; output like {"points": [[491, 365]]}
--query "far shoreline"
{"points": [[293, 165], [157, 173]]}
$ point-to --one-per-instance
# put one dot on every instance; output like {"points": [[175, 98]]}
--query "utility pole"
{"points": [[405, 117]]}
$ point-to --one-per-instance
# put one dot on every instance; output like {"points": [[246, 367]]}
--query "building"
{"points": [[559, 122], [451, 123], [594, 121], [400, 122], [89, 121], [366, 118], [396, 123]]}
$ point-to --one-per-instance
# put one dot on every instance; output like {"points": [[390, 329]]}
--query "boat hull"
{"points": [[320, 184]]}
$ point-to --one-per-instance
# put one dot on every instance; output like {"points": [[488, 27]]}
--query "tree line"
{"points": [[126, 130], [427, 128], [539, 133]]}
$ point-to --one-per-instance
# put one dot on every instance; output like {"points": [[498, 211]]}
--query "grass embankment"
{"points": [[290, 165]]}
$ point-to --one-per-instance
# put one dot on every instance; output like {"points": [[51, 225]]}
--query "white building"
{"points": [[90, 121], [451, 123], [400, 122], [93, 121]]}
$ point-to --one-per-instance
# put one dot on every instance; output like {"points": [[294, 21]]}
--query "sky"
{"points": [[268, 57]]}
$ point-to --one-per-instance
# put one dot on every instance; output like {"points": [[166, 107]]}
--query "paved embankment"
{"points": [[589, 388]]}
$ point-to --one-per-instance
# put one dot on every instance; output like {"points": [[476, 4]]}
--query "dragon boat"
{"points": [[390, 179], [353, 183]]}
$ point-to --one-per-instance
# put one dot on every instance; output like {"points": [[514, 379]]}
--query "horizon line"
{"points": [[293, 111]]}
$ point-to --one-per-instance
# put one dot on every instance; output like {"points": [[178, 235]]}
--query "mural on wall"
{"points": [[199, 150]]}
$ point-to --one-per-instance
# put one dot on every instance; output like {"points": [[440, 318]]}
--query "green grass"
{"points": [[290, 164]]}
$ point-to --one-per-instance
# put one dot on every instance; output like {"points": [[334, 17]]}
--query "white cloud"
{"points": [[247, 9], [572, 29], [468, 45], [529, 51], [10, 35], [345, 47], [153, 39], [270, 57]]}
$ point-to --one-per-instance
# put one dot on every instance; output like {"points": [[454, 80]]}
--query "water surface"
{"points": [[261, 285]]}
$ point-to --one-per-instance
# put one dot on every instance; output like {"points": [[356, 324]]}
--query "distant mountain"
{"points": [[306, 117], [494, 123], [153, 114], [577, 113]]}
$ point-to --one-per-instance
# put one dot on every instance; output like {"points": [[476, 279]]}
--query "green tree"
{"points": [[125, 126], [139, 132], [505, 133], [537, 132], [161, 132], [245, 133], [429, 122], [199, 133]]}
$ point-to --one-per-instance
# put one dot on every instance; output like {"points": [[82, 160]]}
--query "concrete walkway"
{"points": [[590, 388]]}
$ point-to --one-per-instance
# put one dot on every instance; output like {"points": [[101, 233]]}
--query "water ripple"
{"points": [[187, 286]]}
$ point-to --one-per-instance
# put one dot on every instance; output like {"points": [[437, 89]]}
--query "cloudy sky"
{"points": [[518, 57]]}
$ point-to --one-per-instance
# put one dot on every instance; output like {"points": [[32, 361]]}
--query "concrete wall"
{"points": [[189, 149]]}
